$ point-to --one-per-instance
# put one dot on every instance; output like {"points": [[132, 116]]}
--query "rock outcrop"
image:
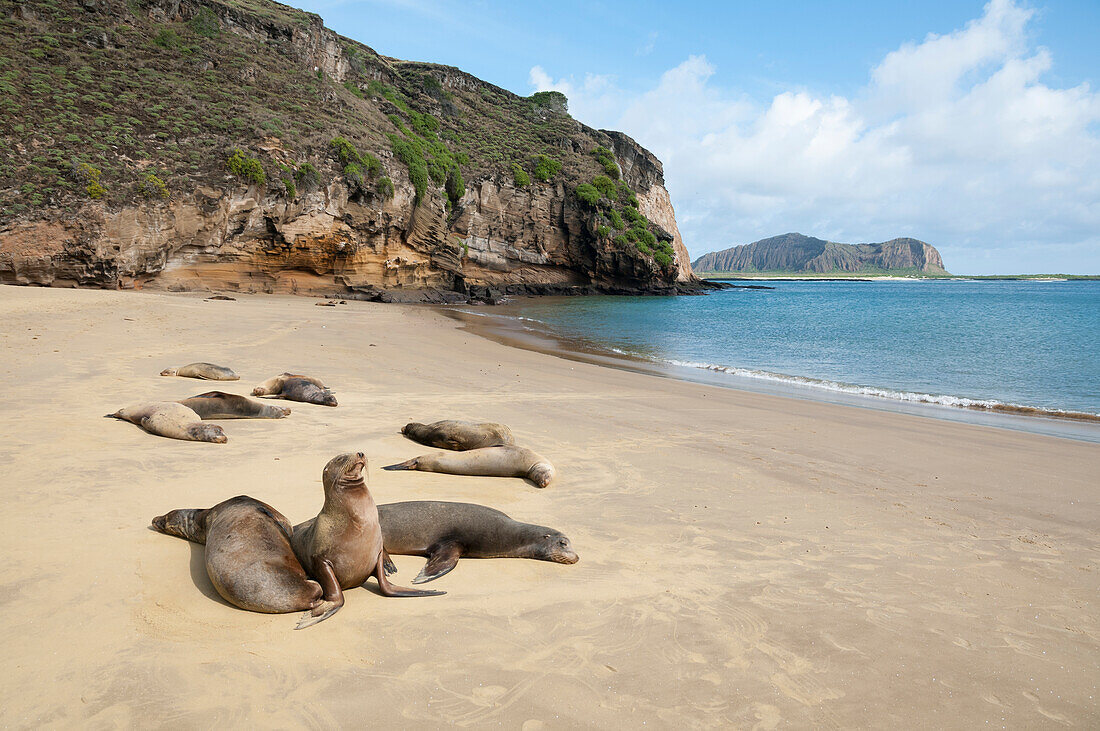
{"points": [[429, 204], [794, 253]]}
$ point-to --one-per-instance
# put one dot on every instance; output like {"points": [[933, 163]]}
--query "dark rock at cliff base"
{"points": [[798, 254], [241, 146]]}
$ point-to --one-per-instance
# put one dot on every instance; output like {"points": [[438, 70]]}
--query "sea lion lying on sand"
{"points": [[459, 435], [206, 371], [248, 557], [221, 405], [294, 387], [171, 419], [445, 532], [342, 546], [505, 461]]}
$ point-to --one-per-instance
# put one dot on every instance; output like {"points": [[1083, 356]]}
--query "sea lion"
{"points": [[459, 435], [504, 461], [221, 405], [206, 371], [342, 546], [248, 557], [171, 419], [444, 532], [294, 387]]}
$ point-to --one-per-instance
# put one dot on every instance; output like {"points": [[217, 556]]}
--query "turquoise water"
{"points": [[956, 343]]}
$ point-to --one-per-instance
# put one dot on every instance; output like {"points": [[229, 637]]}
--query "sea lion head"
{"points": [[542, 474], [203, 432], [329, 398], [187, 523], [258, 391], [555, 546], [344, 472], [169, 371]]}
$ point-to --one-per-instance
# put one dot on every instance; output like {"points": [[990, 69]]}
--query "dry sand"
{"points": [[746, 560]]}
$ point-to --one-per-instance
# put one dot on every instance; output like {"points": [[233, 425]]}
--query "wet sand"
{"points": [[747, 560]]}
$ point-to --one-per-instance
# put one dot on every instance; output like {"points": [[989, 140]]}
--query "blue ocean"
{"points": [[992, 345]]}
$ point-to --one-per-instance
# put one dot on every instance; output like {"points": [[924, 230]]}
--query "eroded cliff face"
{"points": [[216, 232], [497, 239]]}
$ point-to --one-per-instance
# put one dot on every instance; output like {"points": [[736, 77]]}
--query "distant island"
{"points": [[796, 254]]}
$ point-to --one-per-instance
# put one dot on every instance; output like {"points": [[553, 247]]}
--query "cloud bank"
{"points": [[956, 140]]}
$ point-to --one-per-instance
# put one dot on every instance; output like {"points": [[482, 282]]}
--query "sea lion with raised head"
{"points": [[221, 405], [249, 558], [173, 420], [505, 461], [205, 371], [459, 435], [295, 387], [445, 532], [342, 546]]}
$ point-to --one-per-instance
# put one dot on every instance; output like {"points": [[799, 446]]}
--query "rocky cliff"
{"points": [[794, 253], [241, 145]]}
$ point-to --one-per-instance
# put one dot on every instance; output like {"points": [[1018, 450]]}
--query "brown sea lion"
{"points": [[221, 405], [171, 419], [459, 435], [206, 371], [248, 557], [506, 461], [342, 546], [294, 387], [445, 532]]}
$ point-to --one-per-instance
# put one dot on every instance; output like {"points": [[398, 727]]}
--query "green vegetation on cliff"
{"points": [[249, 92]]}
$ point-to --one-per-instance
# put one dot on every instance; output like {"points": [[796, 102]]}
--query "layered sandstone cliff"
{"points": [[795, 253], [443, 186]]}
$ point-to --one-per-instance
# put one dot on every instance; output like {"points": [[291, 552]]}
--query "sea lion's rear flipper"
{"points": [[442, 558], [406, 465], [320, 613], [389, 589], [332, 599], [387, 564]]}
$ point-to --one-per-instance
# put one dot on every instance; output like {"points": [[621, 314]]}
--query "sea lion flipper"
{"points": [[442, 558], [388, 565], [320, 613], [389, 589], [406, 465]]}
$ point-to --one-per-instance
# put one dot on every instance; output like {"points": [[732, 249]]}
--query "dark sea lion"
{"points": [[171, 419], [342, 546], [506, 461], [221, 405], [445, 532], [206, 371], [459, 435], [294, 387], [248, 557]]}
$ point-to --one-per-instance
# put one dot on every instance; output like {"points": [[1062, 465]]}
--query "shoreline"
{"points": [[536, 336], [782, 562]]}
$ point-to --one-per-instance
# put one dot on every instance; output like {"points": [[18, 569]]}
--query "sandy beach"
{"points": [[747, 560]]}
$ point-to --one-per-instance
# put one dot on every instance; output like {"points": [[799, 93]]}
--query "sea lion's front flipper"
{"points": [[332, 598], [389, 589], [387, 563], [406, 465], [442, 557]]}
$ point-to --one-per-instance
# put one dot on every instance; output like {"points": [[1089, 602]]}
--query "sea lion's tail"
{"points": [[406, 465], [320, 613]]}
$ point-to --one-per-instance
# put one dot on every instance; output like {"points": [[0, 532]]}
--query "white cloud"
{"points": [[956, 140]]}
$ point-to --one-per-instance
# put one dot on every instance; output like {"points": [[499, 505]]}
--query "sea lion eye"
{"points": [[547, 536], [563, 542]]}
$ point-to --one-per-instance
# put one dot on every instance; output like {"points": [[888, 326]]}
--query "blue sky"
{"points": [[975, 127]]}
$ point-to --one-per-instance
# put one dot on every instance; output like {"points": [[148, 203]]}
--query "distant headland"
{"points": [[796, 254]]}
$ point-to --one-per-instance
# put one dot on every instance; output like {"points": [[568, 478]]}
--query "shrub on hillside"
{"points": [[588, 194], [546, 168], [246, 168], [520, 176]]}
